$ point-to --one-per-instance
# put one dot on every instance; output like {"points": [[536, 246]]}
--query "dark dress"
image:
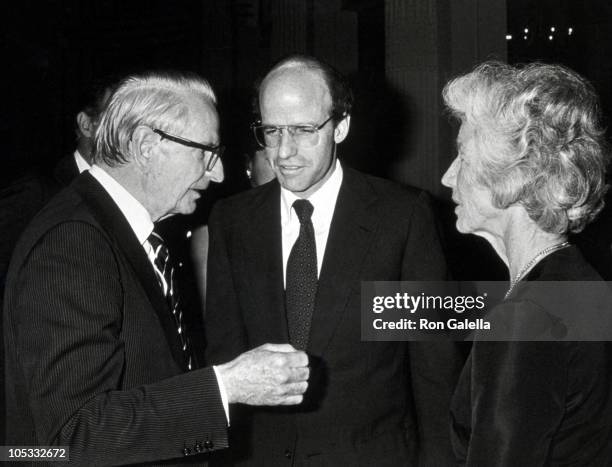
{"points": [[537, 403]]}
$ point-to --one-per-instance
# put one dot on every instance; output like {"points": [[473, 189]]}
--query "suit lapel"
{"points": [[263, 250], [353, 225], [117, 227]]}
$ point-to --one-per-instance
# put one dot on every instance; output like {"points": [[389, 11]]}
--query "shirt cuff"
{"points": [[223, 392]]}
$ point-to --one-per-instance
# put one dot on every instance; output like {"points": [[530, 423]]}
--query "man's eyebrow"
{"points": [[270, 125]]}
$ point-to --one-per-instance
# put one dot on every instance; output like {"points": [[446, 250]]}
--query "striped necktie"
{"points": [[165, 272]]}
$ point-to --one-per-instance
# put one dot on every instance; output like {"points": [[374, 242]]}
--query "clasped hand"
{"points": [[271, 374]]}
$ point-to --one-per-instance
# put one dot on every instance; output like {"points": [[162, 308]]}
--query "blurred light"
{"points": [[508, 37], [570, 31], [189, 234], [526, 30], [552, 29], [550, 38], [525, 37]]}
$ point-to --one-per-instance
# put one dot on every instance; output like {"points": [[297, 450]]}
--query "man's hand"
{"points": [[271, 374]]}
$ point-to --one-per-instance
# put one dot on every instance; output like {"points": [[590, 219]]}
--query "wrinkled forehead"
{"points": [[202, 119], [471, 143], [466, 134]]}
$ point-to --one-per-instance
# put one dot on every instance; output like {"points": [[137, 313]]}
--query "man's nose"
{"points": [[216, 174], [287, 146]]}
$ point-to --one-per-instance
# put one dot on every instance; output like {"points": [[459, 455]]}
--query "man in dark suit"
{"points": [[98, 357], [286, 264], [24, 196]]}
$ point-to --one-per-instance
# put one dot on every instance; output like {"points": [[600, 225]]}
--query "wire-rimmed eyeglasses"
{"points": [[270, 136]]}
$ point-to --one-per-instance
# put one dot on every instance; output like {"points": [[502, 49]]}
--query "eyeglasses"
{"points": [[215, 151], [270, 136]]}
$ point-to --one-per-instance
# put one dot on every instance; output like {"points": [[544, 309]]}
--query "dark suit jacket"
{"points": [[537, 403], [92, 357], [360, 409], [19, 202]]}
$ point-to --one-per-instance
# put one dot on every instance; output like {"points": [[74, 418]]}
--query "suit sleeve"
{"points": [[434, 366], [66, 322], [223, 322]]}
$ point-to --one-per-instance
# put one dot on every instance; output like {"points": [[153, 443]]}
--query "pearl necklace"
{"points": [[538, 257]]}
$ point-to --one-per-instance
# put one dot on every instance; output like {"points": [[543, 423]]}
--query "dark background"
{"points": [[397, 53]]}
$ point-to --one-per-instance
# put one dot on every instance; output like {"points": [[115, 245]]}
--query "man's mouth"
{"points": [[289, 169], [197, 190]]}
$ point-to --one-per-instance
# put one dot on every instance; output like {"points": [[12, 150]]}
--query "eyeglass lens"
{"points": [[271, 137], [214, 157]]}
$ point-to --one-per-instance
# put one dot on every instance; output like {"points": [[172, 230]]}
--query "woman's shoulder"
{"points": [[567, 264]]}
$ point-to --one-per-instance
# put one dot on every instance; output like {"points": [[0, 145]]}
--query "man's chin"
{"points": [[188, 204], [292, 184], [189, 208]]}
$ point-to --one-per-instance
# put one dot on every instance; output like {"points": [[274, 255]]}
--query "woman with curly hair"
{"points": [[530, 171]]}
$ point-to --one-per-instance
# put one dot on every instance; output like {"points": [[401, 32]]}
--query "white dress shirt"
{"points": [[142, 225], [324, 202], [81, 163]]}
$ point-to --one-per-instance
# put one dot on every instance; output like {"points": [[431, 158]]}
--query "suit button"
{"points": [[208, 444], [186, 451], [198, 447], [288, 454]]}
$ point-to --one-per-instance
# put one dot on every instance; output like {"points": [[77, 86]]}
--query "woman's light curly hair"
{"points": [[155, 99], [542, 144]]}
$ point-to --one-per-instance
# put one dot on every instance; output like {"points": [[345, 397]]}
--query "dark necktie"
{"points": [[301, 282], [165, 267]]}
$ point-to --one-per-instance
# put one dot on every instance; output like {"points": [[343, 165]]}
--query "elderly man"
{"points": [[21, 199], [98, 358], [286, 263]]}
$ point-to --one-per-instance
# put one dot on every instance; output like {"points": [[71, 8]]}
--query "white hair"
{"points": [[158, 100], [541, 142]]}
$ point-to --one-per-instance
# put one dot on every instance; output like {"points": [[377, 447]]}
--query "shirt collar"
{"points": [[135, 213], [81, 163], [323, 200]]}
